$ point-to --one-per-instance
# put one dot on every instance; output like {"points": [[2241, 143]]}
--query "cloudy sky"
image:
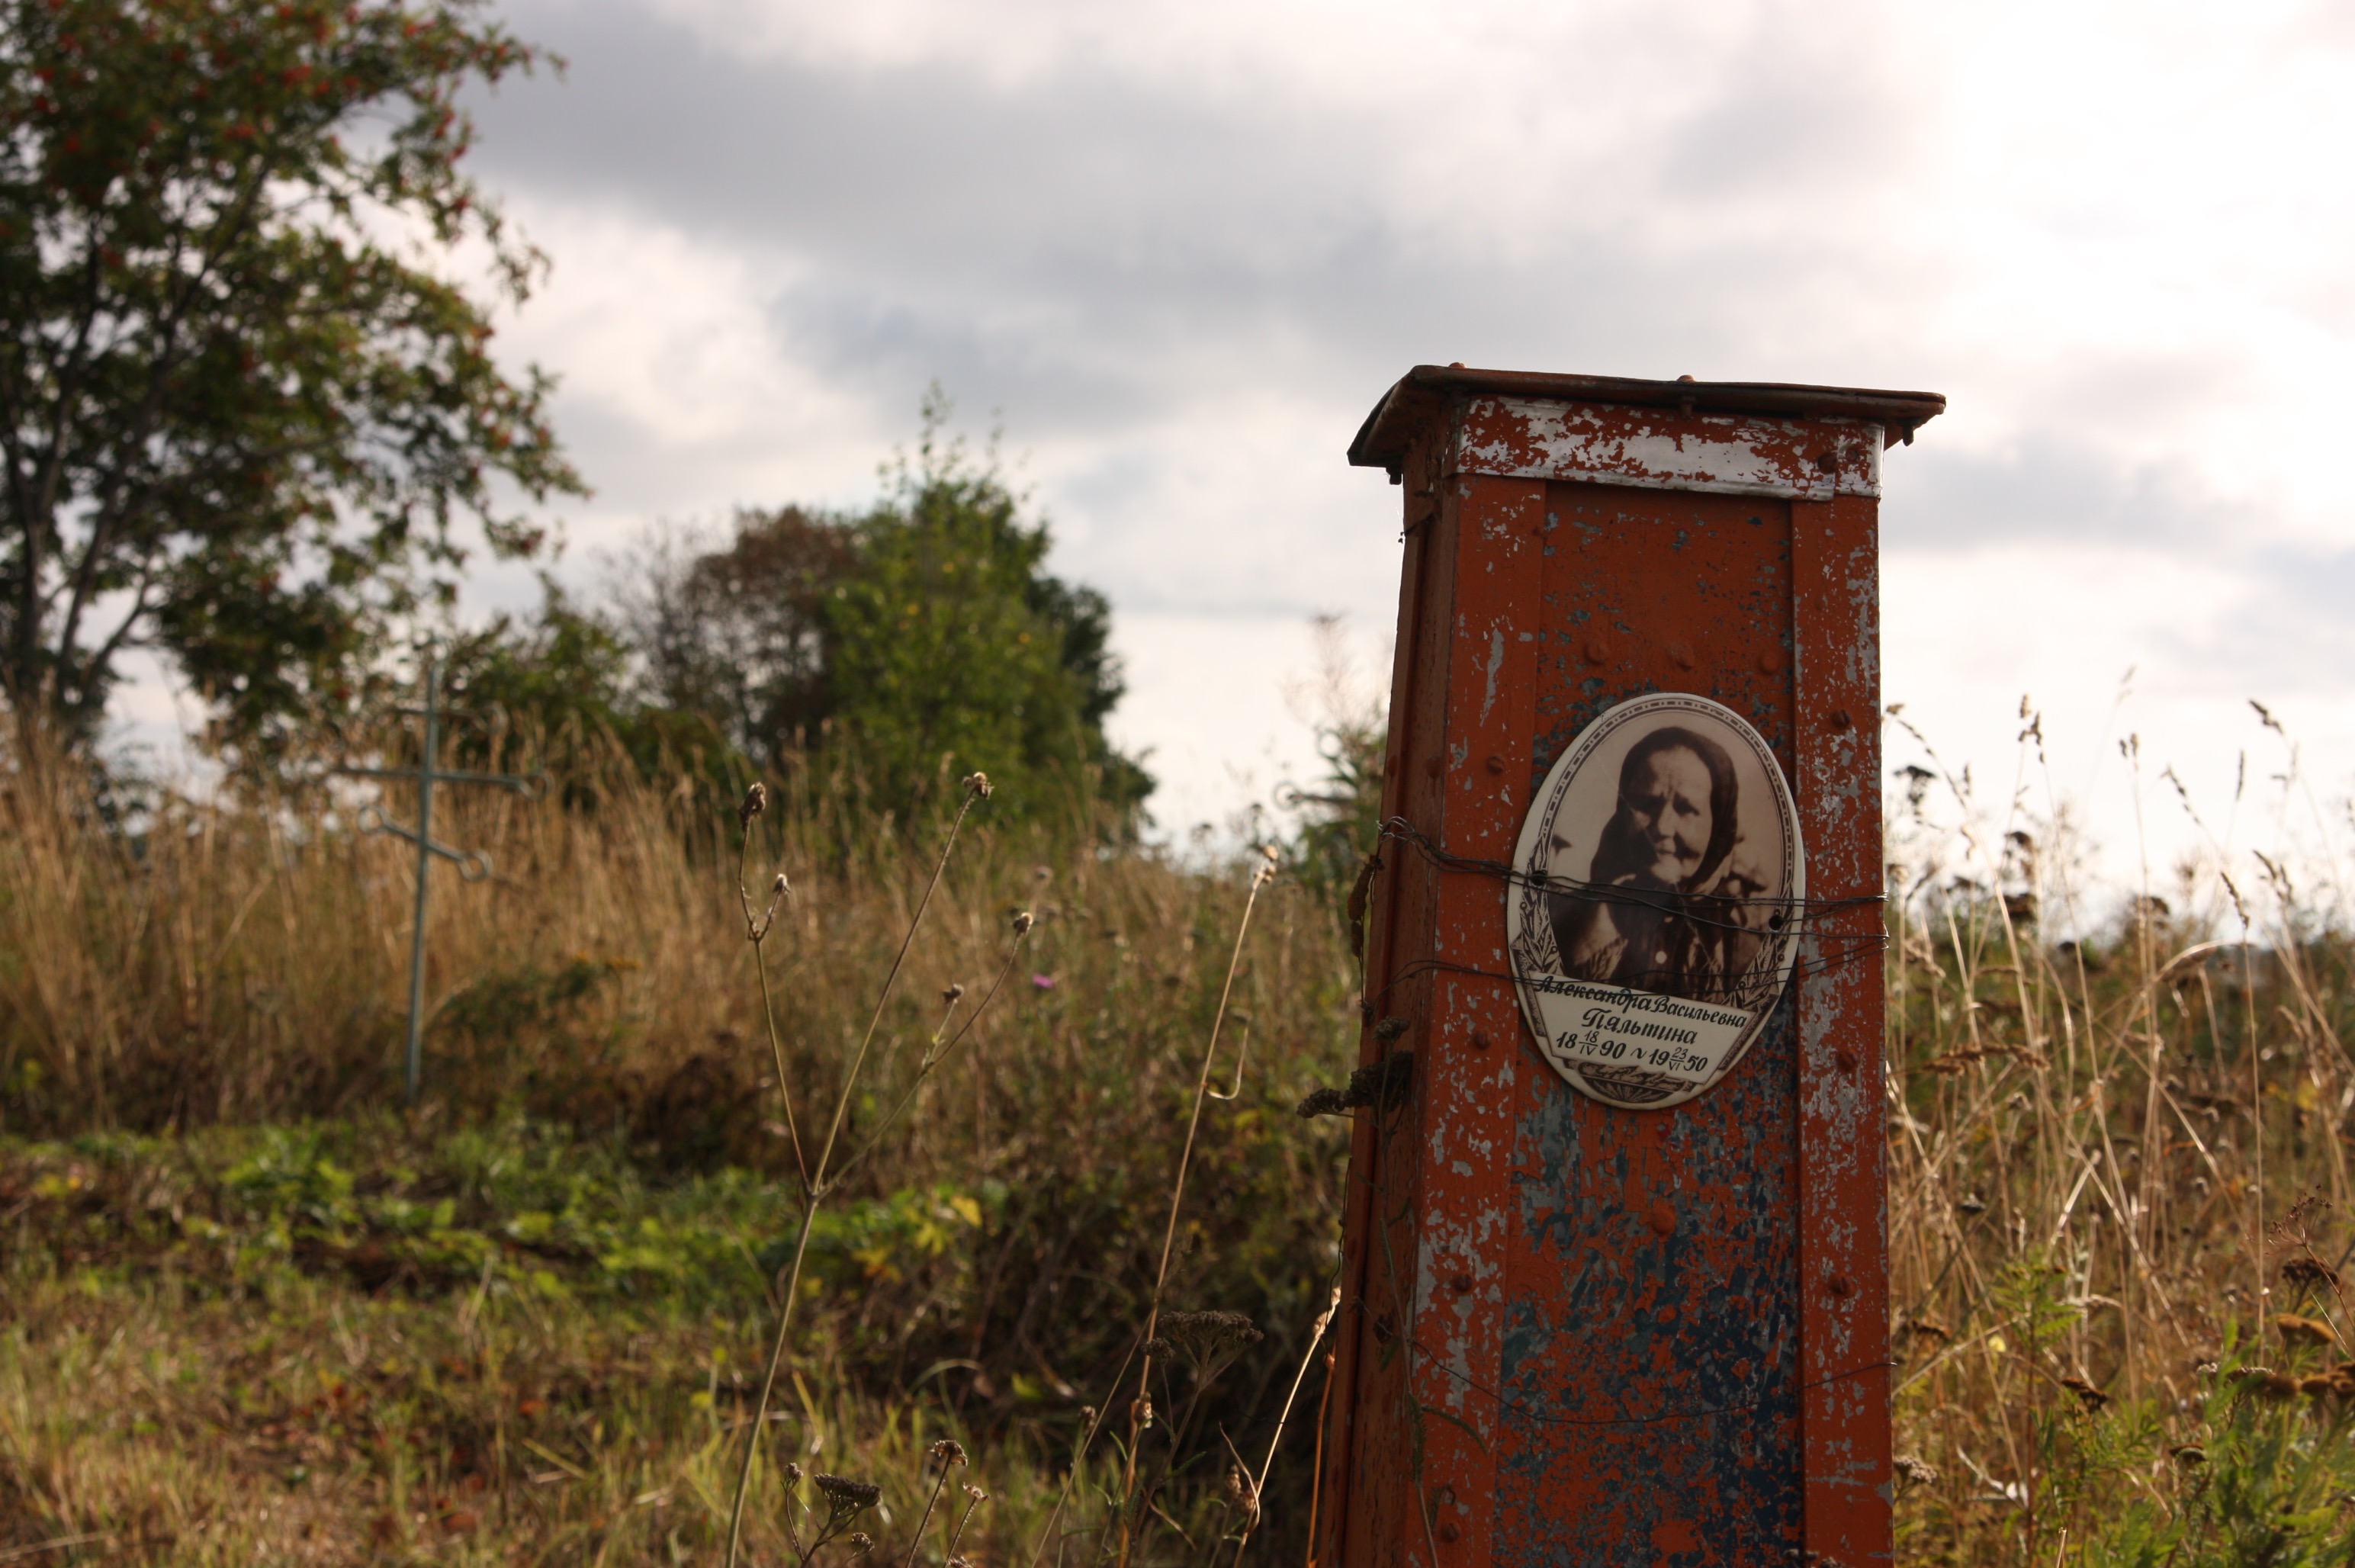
{"points": [[1178, 250]]}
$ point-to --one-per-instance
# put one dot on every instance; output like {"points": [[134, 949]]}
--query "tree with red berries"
{"points": [[249, 414]]}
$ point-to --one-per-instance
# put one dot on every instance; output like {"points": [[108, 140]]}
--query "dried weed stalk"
{"points": [[821, 1180]]}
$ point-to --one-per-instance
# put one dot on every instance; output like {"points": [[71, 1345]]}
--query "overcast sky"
{"points": [[1177, 251]]}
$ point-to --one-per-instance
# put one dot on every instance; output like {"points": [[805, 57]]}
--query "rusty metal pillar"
{"points": [[1616, 1271]]}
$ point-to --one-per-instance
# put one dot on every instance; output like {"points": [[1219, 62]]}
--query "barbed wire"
{"points": [[1793, 919], [1398, 829]]}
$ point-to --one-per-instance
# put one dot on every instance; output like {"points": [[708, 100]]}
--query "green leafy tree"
{"points": [[559, 689], [739, 632], [242, 420], [950, 649], [903, 646]]}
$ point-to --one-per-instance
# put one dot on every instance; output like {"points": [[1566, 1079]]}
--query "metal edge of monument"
{"points": [[1654, 915]]}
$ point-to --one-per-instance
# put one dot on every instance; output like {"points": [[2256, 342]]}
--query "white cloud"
{"points": [[1182, 248]]}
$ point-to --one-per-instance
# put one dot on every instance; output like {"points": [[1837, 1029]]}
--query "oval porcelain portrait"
{"points": [[1656, 913]]}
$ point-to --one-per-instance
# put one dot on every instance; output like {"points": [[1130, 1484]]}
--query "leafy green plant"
{"points": [[241, 426]]}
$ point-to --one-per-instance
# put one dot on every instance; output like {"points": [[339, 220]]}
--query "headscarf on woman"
{"points": [[1690, 938]]}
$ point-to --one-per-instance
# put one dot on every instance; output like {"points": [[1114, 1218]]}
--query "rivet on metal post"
{"points": [[473, 866]]}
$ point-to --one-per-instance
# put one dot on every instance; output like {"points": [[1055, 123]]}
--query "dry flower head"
{"points": [[1204, 1337], [844, 1498]]}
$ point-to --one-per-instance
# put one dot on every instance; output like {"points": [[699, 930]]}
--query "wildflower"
{"points": [[1912, 1472], [1325, 1101], [2296, 1330], [2309, 1271], [756, 801], [845, 1498], [1044, 982], [1241, 1496], [1378, 1087], [2092, 1398], [842, 1492], [1204, 1338]]}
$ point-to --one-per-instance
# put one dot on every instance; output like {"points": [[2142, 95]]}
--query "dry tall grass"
{"points": [[994, 1261], [2119, 1190], [2118, 1162]]}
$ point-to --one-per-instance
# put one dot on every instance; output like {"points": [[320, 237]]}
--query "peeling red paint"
{"points": [[1662, 449], [1574, 1333]]}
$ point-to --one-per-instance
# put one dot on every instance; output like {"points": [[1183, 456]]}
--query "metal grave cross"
{"points": [[473, 865]]}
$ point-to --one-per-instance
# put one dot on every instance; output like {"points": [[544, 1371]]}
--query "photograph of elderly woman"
{"points": [[1666, 866]]}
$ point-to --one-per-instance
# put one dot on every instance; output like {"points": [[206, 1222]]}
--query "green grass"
{"points": [[357, 1341]]}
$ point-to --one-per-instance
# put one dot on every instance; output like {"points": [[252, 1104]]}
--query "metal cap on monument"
{"points": [[1616, 1271]]}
